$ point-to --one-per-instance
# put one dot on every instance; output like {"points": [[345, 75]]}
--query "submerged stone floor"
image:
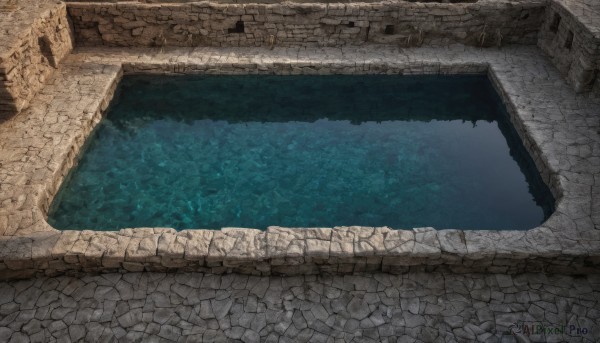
{"points": [[414, 307]]}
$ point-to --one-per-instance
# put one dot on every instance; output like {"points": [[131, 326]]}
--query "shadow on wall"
{"points": [[405, 24], [46, 51]]}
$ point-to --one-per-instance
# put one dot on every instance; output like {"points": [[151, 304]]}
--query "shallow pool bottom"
{"points": [[304, 151]]}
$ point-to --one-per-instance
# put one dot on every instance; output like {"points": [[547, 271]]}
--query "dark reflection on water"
{"points": [[304, 151]]}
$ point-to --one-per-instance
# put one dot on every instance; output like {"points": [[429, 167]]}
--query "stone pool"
{"points": [[85, 50], [304, 151]]}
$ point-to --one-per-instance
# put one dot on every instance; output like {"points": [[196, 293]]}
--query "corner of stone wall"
{"points": [[571, 45], [31, 53]]}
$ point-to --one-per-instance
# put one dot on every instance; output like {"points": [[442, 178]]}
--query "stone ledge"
{"points": [[290, 251], [45, 140]]}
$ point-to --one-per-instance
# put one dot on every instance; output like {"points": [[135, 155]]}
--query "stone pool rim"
{"points": [[33, 247]]}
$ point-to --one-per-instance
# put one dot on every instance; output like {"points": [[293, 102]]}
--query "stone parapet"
{"points": [[34, 37]]}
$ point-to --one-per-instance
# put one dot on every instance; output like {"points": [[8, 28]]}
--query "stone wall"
{"points": [[485, 23], [572, 43], [270, 1], [38, 36], [273, 1]]}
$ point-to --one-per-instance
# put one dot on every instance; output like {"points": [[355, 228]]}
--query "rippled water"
{"points": [[303, 151]]}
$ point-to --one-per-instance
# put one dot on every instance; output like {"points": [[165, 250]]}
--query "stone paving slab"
{"points": [[558, 127], [195, 307]]}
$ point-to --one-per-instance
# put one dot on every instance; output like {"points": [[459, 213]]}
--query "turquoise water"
{"points": [[303, 151]]}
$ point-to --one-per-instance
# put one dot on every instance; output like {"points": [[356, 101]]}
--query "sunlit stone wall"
{"points": [[485, 23], [38, 38]]}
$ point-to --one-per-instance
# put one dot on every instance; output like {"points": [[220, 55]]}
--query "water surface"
{"points": [[303, 151]]}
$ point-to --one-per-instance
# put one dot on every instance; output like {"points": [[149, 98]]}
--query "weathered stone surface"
{"points": [[358, 308], [238, 244], [142, 246], [198, 243], [570, 35], [298, 242], [35, 37], [297, 24], [400, 242], [452, 242], [115, 251], [171, 245], [426, 243], [369, 241]]}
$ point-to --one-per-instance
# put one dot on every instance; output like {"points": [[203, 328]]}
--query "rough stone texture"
{"points": [[485, 23], [570, 35], [34, 37], [268, 1], [194, 307], [558, 127]]}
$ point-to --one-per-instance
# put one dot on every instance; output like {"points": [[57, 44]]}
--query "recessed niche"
{"points": [[569, 40], [239, 27], [46, 50], [555, 23], [593, 78], [389, 30]]}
